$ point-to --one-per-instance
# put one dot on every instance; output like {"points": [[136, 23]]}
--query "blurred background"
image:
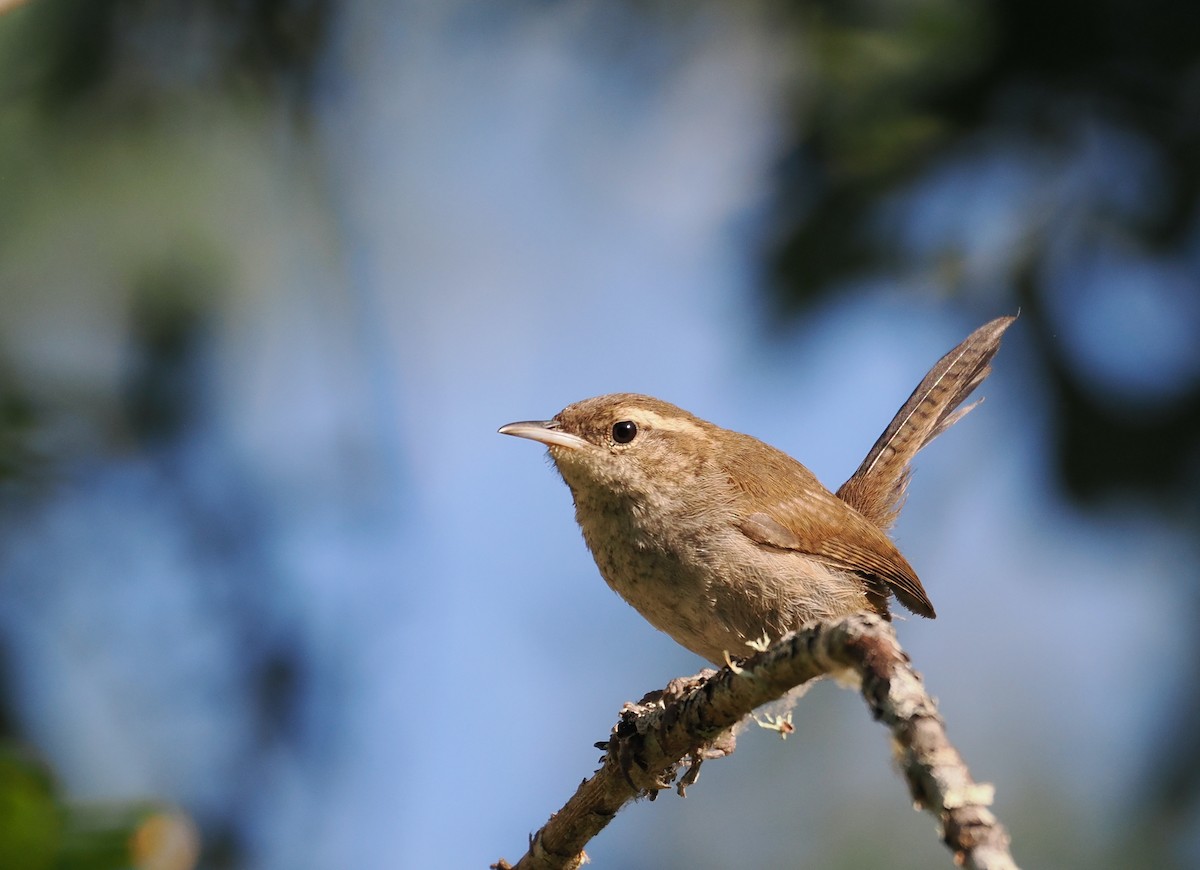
{"points": [[274, 593]]}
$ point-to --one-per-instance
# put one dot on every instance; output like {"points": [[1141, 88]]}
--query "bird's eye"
{"points": [[624, 432]]}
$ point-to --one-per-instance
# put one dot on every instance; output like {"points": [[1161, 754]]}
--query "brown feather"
{"points": [[876, 489], [818, 524]]}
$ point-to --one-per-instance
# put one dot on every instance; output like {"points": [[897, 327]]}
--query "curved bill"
{"points": [[545, 431]]}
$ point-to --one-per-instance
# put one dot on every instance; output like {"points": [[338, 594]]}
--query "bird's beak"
{"points": [[546, 431]]}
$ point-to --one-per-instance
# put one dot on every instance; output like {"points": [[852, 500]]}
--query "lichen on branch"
{"points": [[691, 720]]}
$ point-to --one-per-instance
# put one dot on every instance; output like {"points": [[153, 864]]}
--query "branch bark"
{"points": [[690, 721]]}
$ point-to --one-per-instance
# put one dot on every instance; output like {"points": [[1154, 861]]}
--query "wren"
{"points": [[720, 540]]}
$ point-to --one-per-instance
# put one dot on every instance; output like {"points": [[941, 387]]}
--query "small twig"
{"points": [[692, 717]]}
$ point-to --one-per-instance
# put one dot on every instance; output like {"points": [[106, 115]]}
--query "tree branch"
{"points": [[690, 721]]}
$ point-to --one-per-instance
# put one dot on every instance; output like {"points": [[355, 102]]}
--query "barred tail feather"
{"points": [[876, 489]]}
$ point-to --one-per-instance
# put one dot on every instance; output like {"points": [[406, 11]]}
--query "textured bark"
{"points": [[690, 721]]}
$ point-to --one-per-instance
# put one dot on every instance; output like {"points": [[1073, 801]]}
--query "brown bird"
{"points": [[721, 540]]}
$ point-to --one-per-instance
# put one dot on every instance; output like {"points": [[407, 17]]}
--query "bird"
{"points": [[723, 541]]}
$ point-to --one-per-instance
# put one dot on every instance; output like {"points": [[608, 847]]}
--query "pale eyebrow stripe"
{"points": [[669, 424]]}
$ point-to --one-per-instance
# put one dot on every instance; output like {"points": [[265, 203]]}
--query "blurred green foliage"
{"points": [[41, 830], [32, 820], [17, 421], [898, 89], [77, 74]]}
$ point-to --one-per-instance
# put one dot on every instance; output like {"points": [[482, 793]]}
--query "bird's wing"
{"points": [[812, 520]]}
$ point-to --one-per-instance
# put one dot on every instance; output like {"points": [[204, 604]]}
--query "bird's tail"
{"points": [[876, 489]]}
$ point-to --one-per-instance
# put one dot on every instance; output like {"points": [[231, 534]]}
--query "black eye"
{"points": [[624, 432]]}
